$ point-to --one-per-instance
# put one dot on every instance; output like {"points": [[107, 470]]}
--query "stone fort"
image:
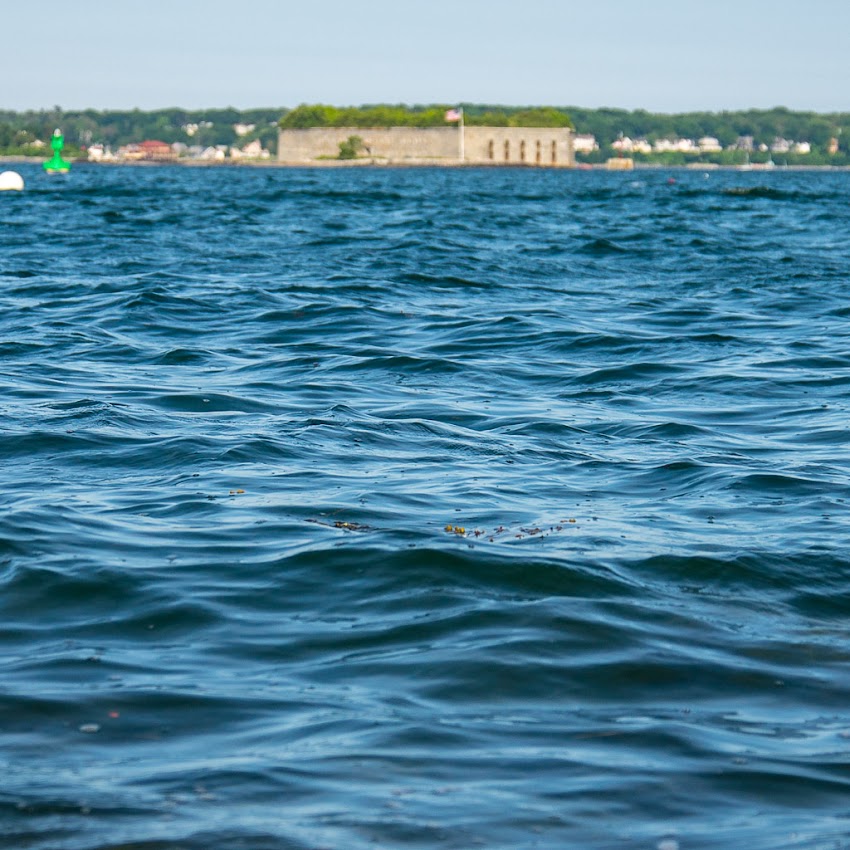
{"points": [[534, 146]]}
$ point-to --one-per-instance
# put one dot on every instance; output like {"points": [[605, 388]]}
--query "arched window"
{"points": [[522, 150], [491, 149], [539, 156], [554, 152], [507, 150]]}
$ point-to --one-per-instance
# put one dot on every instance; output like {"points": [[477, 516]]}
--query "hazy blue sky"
{"points": [[664, 55]]}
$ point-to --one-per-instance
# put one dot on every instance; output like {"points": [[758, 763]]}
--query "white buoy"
{"points": [[11, 181]]}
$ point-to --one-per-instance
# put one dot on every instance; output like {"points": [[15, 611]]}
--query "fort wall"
{"points": [[538, 146]]}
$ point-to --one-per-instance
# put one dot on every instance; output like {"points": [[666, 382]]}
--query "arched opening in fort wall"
{"points": [[544, 147]]}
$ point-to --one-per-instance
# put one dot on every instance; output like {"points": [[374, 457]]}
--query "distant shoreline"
{"points": [[365, 163]]}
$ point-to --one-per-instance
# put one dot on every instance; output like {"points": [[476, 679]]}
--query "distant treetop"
{"points": [[319, 115]]}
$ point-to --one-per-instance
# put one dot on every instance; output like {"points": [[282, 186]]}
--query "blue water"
{"points": [[424, 509]]}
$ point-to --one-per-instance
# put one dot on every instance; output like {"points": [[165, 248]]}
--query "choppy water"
{"points": [[420, 508]]}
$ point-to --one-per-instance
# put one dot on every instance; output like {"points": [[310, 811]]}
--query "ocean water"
{"points": [[424, 509]]}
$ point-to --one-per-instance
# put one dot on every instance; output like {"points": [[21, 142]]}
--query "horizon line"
{"points": [[440, 104]]}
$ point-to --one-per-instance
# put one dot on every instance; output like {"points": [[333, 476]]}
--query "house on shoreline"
{"points": [[549, 147]]}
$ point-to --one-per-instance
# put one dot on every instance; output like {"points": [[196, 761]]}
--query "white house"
{"points": [[253, 150], [585, 143], [100, 153], [626, 145], [215, 154], [678, 145]]}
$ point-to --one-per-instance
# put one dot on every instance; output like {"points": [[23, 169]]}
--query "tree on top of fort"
{"points": [[320, 115]]}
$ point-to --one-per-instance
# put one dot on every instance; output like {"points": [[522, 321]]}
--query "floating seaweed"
{"points": [[341, 524], [501, 531]]}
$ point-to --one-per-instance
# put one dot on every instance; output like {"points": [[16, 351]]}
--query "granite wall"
{"points": [[432, 145]]}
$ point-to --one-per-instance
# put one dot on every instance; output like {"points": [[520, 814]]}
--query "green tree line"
{"points": [[20, 131], [764, 125], [382, 115]]}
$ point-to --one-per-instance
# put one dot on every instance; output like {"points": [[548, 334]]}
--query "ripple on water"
{"points": [[499, 508]]}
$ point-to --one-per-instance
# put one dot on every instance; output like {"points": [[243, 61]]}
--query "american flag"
{"points": [[454, 115]]}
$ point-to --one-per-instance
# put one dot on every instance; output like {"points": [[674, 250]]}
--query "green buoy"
{"points": [[57, 165]]}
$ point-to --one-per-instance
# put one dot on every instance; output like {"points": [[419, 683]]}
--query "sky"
{"points": [[659, 55]]}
